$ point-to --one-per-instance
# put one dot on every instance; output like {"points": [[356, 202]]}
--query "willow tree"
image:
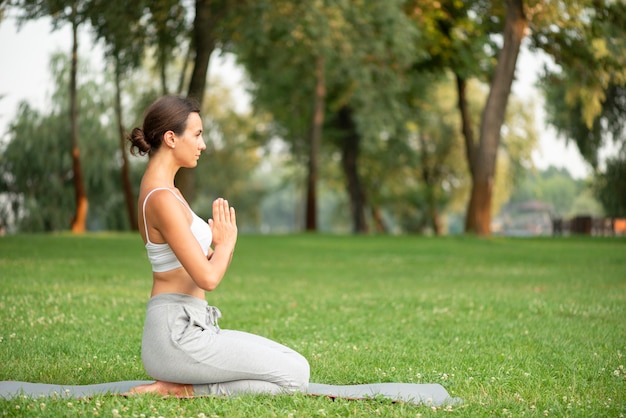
{"points": [[341, 57], [207, 34], [37, 170], [585, 90], [287, 48], [74, 13], [118, 24]]}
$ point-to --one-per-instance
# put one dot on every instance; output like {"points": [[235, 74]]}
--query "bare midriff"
{"points": [[175, 281]]}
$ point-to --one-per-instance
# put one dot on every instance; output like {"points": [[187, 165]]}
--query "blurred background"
{"points": [[425, 117]]}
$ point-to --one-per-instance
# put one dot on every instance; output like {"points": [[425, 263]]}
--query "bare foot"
{"points": [[159, 387]]}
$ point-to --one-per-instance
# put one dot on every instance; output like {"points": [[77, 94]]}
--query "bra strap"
{"points": [[145, 224]]}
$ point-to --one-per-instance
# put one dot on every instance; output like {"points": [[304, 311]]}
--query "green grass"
{"points": [[532, 327]]}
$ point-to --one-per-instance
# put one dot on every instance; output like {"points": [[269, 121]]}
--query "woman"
{"points": [[183, 348]]}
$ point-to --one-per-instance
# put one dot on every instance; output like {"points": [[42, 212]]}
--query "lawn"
{"points": [[532, 327]]}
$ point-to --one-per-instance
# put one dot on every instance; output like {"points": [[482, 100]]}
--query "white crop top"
{"points": [[161, 256]]}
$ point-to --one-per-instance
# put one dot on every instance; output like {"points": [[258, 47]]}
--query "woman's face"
{"points": [[190, 144]]}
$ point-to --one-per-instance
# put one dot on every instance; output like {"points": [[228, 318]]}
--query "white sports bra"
{"points": [[161, 256]]}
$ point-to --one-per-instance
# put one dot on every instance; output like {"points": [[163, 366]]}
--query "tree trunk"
{"points": [[317, 123], [433, 214], [82, 204], [431, 180], [379, 223], [350, 147], [163, 72], [431, 198], [471, 148], [183, 72], [466, 121], [482, 167], [203, 43], [125, 172]]}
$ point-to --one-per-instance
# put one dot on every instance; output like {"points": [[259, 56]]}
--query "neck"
{"points": [[160, 171]]}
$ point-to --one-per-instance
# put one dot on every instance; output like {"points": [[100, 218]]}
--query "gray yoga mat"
{"points": [[421, 394]]}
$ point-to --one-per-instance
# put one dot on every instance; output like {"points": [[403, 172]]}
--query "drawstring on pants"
{"points": [[212, 315]]}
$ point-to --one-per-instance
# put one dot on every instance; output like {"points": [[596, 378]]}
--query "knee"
{"points": [[301, 376]]}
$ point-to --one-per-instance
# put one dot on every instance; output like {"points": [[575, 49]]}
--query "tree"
{"points": [[421, 175], [166, 28], [82, 203], [610, 186], [460, 37], [232, 159], [207, 33], [350, 141], [362, 48], [367, 99], [37, 173], [297, 39], [72, 12], [436, 141], [118, 24], [586, 89], [482, 156], [315, 137], [33, 170]]}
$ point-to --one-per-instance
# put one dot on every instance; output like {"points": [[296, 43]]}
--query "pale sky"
{"points": [[24, 75]]}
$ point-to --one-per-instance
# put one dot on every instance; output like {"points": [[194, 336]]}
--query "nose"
{"points": [[202, 144]]}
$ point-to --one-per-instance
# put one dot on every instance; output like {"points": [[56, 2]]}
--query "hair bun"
{"points": [[138, 142]]}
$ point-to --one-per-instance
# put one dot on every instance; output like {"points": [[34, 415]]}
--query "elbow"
{"points": [[209, 282]]}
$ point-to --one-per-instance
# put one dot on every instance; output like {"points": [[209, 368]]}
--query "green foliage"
{"points": [[427, 154], [37, 167], [555, 187], [60, 11], [365, 46], [565, 116], [514, 327], [610, 187], [382, 59], [36, 172], [457, 35], [118, 24], [228, 166], [586, 204], [586, 90]]}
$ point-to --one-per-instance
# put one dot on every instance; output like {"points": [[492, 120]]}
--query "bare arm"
{"points": [[224, 229], [172, 221]]}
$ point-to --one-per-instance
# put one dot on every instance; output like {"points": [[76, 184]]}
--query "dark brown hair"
{"points": [[169, 113]]}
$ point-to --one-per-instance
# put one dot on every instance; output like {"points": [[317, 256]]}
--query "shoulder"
{"points": [[158, 193], [163, 201], [168, 213]]}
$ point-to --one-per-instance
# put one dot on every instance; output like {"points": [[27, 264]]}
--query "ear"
{"points": [[169, 138]]}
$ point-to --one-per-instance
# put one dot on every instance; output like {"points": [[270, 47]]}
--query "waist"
{"points": [[164, 299], [190, 308], [175, 281]]}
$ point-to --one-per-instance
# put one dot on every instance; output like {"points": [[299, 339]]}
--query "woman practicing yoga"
{"points": [[183, 348]]}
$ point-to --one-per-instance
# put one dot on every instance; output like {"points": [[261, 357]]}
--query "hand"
{"points": [[224, 223]]}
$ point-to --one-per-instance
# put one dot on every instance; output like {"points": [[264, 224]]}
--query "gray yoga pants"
{"points": [[182, 343]]}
